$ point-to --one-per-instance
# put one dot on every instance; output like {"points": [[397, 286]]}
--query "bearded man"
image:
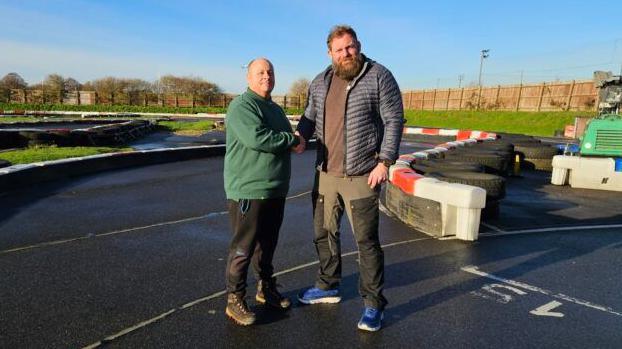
{"points": [[355, 109]]}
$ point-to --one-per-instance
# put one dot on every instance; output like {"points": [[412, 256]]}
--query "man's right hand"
{"points": [[301, 146]]}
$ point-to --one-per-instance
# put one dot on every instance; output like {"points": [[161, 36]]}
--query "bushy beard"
{"points": [[349, 71]]}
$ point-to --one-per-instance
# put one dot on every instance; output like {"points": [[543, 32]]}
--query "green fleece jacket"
{"points": [[259, 141]]}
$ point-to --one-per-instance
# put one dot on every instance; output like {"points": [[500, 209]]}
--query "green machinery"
{"points": [[603, 134]]}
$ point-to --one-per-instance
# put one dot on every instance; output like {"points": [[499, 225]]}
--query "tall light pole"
{"points": [[460, 78], [483, 55]]}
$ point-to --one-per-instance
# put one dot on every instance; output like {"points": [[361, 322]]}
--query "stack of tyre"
{"points": [[483, 165], [4, 163], [532, 153]]}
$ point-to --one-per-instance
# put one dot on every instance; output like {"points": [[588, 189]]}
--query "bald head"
{"points": [[260, 77]]}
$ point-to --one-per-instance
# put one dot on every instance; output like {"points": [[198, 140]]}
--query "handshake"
{"points": [[301, 146]]}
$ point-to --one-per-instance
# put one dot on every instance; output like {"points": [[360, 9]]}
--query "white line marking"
{"points": [[184, 220], [544, 230], [545, 310], [492, 227], [221, 293], [475, 270]]}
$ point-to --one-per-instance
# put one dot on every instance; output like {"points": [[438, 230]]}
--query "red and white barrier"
{"points": [[460, 204]]}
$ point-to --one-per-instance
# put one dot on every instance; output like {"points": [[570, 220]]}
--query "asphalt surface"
{"points": [[137, 256]]}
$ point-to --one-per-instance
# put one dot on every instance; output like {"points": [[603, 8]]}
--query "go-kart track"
{"points": [[135, 258]]}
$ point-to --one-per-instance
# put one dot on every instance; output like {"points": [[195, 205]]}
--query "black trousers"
{"points": [[255, 225]]}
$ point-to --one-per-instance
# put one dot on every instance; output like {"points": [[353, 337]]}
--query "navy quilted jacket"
{"points": [[374, 118]]}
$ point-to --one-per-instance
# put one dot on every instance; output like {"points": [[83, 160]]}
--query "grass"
{"points": [[46, 153], [7, 119], [529, 123], [186, 128]]}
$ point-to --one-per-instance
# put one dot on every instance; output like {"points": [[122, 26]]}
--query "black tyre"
{"points": [[492, 161], [432, 165], [431, 139], [494, 185], [4, 163], [491, 210], [497, 145], [538, 164], [536, 151]]}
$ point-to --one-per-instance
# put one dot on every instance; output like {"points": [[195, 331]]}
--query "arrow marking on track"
{"points": [[545, 310]]}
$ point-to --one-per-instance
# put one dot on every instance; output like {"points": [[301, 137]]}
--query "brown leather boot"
{"points": [[238, 311], [268, 294]]}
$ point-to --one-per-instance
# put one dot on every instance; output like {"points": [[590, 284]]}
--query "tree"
{"points": [[53, 88], [72, 84], [13, 81], [299, 87], [54, 82]]}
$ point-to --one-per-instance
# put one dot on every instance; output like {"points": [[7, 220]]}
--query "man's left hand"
{"points": [[378, 175]]}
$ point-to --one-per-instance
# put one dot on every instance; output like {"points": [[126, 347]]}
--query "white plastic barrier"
{"points": [[461, 204], [586, 172]]}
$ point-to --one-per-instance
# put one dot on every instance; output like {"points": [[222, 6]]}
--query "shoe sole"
{"points": [[371, 329], [327, 300], [263, 301], [241, 323]]}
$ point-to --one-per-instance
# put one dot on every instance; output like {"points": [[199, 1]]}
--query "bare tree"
{"points": [[13, 81], [53, 88], [299, 87], [71, 84]]}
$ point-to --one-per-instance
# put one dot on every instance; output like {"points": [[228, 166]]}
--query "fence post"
{"points": [[193, 101], [145, 99], [497, 96], [24, 100], [479, 96], [541, 95], [570, 96], [520, 91], [434, 100], [448, 95], [111, 98], [410, 100], [78, 97], [285, 102], [461, 98], [176, 100]]}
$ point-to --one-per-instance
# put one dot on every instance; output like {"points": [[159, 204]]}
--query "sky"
{"points": [[426, 44]]}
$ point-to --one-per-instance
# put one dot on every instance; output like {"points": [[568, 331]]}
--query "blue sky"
{"points": [[424, 43]]}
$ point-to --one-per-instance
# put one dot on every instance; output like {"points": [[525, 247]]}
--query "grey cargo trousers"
{"points": [[331, 195]]}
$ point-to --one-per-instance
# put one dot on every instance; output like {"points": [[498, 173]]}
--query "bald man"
{"points": [[256, 175]]}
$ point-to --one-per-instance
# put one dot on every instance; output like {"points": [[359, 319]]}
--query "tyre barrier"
{"points": [[433, 206], [536, 156], [25, 175], [114, 133]]}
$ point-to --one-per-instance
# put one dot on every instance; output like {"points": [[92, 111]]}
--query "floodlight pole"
{"points": [[483, 55]]}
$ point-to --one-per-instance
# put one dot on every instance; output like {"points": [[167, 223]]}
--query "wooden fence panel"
{"points": [[556, 96]]}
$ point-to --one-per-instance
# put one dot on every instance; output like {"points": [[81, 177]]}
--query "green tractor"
{"points": [[603, 134]]}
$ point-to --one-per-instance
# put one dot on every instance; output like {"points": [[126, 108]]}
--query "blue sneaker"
{"points": [[371, 319], [316, 295]]}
